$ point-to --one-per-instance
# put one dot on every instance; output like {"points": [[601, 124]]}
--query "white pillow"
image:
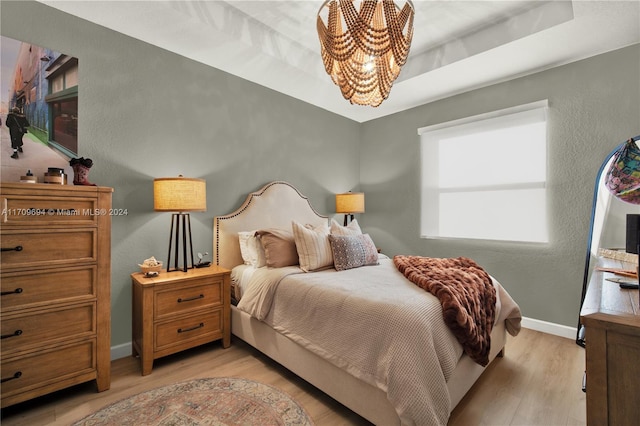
{"points": [[312, 244], [251, 249], [351, 229]]}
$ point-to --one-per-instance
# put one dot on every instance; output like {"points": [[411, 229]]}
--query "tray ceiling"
{"points": [[457, 46]]}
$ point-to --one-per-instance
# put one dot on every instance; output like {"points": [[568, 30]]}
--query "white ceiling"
{"points": [[457, 45]]}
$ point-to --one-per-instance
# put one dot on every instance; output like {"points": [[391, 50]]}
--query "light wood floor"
{"points": [[538, 382]]}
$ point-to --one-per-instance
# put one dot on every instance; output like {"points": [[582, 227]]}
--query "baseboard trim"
{"points": [[121, 351], [550, 328]]}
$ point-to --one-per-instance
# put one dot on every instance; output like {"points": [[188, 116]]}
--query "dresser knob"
{"points": [[16, 248]]}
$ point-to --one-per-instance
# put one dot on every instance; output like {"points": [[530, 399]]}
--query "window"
{"points": [[484, 177]]}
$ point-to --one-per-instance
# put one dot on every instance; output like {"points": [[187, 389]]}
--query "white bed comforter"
{"points": [[374, 323]]}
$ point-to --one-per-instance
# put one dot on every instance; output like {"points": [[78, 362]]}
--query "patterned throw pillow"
{"points": [[353, 251]]}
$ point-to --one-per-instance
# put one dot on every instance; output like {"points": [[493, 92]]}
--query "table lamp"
{"points": [[349, 203], [180, 194]]}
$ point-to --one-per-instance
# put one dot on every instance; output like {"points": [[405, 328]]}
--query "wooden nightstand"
{"points": [[179, 310]]}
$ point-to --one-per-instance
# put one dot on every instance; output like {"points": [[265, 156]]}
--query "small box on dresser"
{"points": [[179, 310], [55, 272]]}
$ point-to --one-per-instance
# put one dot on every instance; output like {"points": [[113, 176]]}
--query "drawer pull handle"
{"points": [[184, 330], [180, 300], [16, 375], [16, 291], [16, 248], [14, 334]]}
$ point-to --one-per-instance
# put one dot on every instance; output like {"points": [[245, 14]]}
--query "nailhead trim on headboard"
{"points": [[247, 203]]}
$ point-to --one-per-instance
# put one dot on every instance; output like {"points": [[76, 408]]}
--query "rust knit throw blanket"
{"points": [[467, 296]]}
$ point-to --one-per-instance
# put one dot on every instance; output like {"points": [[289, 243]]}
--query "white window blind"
{"points": [[484, 177]]}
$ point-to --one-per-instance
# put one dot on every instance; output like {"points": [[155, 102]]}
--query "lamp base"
{"points": [[181, 226], [345, 218]]}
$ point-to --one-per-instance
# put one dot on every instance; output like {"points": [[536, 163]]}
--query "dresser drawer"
{"points": [[189, 296], [47, 247], [26, 289], [37, 210], [40, 369], [196, 329], [38, 328]]}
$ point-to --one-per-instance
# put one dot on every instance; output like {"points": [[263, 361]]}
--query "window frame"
{"points": [[504, 118]]}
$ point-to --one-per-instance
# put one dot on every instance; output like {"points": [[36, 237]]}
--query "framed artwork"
{"points": [[39, 100]]}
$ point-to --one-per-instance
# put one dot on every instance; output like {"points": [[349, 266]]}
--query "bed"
{"points": [[402, 383]]}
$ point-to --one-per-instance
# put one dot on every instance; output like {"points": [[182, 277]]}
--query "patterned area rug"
{"points": [[217, 401]]}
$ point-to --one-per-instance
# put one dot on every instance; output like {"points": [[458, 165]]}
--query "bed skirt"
{"points": [[366, 400]]}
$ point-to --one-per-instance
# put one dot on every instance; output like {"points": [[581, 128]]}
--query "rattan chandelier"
{"points": [[364, 48]]}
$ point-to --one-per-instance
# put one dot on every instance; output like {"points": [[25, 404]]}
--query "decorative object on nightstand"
{"points": [[56, 288], [201, 262], [172, 312], [181, 195], [150, 267], [349, 203]]}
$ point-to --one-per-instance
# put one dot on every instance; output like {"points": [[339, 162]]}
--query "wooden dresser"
{"points": [[55, 272], [611, 317], [179, 310]]}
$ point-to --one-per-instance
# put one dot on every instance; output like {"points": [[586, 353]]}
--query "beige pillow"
{"points": [[279, 247], [351, 229], [312, 244]]}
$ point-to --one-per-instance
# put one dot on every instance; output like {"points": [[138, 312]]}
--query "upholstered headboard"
{"points": [[274, 206]]}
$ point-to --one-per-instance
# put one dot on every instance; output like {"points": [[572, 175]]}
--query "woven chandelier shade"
{"points": [[179, 194], [363, 49]]}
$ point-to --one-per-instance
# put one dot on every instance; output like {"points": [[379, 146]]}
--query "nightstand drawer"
{"points": [[50, 247], [196, 329], [26, 289], [47, 368], [197, 294], [42, 327]]}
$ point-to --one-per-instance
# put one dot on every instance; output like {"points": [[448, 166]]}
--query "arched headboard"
{"points": [[274, 206]]}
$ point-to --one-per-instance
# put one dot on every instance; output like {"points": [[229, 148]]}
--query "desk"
{"points": [[611, 317]]}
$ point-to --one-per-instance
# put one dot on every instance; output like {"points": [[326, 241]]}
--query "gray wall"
{"points": [[594, 106], [145, 113]]}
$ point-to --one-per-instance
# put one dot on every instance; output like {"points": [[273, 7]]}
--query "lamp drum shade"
{"points": [[179, 194], [350, 202]]}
